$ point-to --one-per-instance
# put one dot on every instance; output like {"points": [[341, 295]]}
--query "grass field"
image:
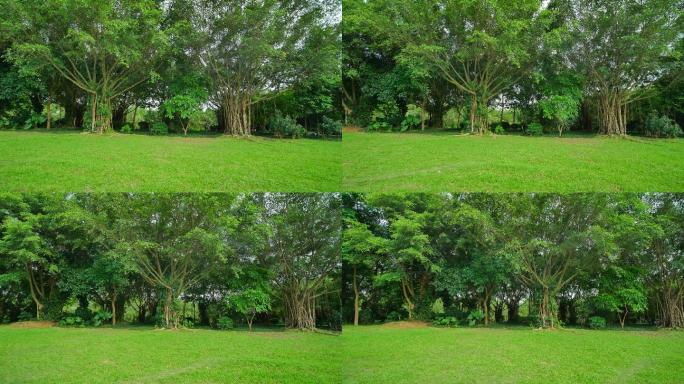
{"points": [[379, 354], [70, 161], [144, 355], [442, 161]]}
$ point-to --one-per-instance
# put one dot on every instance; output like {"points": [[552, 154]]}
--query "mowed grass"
{"points": [[73, 161], [58, 355], [442, 161], [376, 354]]}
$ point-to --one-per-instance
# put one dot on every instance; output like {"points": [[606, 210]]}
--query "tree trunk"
{"points": [[49, 113], [623, 316], [512, 311], [356, 298], [135, 112], [300, 309], [409, 303], [114, 308], [93, 112], [168, 303], [473, 112]]}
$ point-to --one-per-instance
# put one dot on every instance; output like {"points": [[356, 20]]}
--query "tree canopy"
{"points": [[544, 259], [171, 259]]}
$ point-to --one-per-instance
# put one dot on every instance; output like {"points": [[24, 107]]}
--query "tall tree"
{"points": [[108, 49], [305, 249]]}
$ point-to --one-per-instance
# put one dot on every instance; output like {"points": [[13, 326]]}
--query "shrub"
{"points": [[84, 313], [385, 116], [534, 129], [224, 323], [285, 126], [101, 317], [475, 317], [597, 322], [499, 130], [438, 307], [34, 120], [159, 128], [331, 127], [394, 316], [447, 321], [126, 128], [413, 118], [661, 126], [71, 321], [188, 322]]}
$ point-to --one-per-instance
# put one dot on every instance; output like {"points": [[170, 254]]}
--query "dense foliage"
{"points": [[101, 65], [173, 260], [592, 65], [542, 259]]}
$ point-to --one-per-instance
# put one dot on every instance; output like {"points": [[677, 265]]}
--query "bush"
{"points": [[159, 128], [71, 321], [34, 121], [661, 126], [475, 317], [331, 127], [385, 116], [534, 129], [413, 118], [126, 128], [499, 130], [597, 322], [84, 313], [285, 126], [224, 323], [101, 317], [394, 316], [447, 321], [438, 307], [189, 322]]}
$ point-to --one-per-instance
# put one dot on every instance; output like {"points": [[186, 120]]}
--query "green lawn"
{"points": [[144, 355], [377, 354], [442, 161], [72, 161]]}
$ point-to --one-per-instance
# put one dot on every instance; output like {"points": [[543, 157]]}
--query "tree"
{"points": [[251, 49], [620, 59], [487, 45], [411, 249], [108, 49], [174, 242], [251, 302], [305, 250], [27, 250], [621, 293], [561, 109], [360, 248], [112, 272]]}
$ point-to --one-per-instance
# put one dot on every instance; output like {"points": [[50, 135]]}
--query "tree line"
{"points": [[539, 259], [596, 65], [236, 67], [173, 260]]}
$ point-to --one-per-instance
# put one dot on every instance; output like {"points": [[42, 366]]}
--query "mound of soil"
{"points": [[351, 128], [406, 324], [32, 324]]}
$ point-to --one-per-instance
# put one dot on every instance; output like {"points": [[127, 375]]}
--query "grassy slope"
{"points": [[445, 162], [375, 354], [41, 161], [56, 355]]}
